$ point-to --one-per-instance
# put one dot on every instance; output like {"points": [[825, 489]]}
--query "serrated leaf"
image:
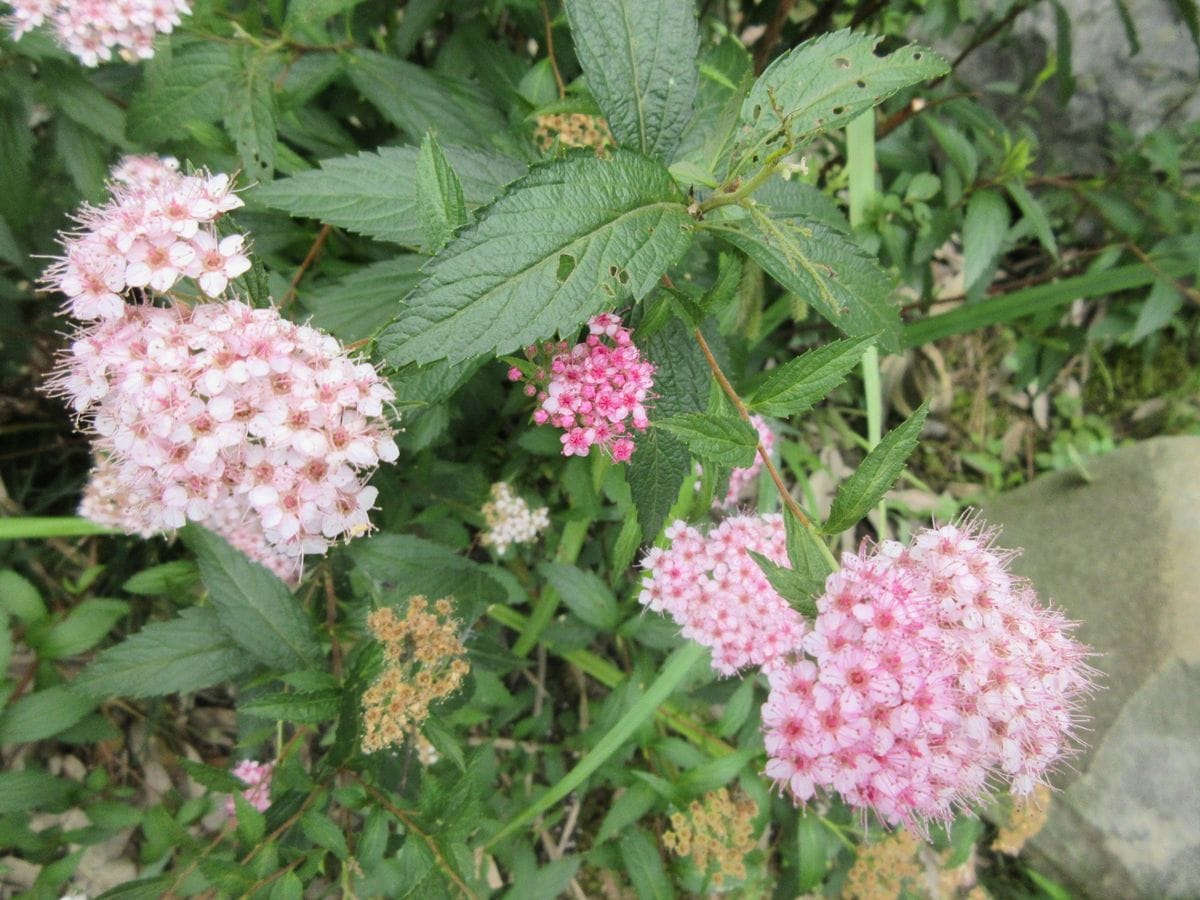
{"points": [[875, 475], [823, 268], [984, 229], [43, 714], [189, 84], [789, 584], [656, 472], [365, 300], [823, 84], [799, 383], [252, 604], [805, 553], [83, 628], [637, 800], [1035, 214], [439, 195], [726, 440], [308, 707], [584, 593], [251, 116], [375, 194], [251, 824], [27, 789], [412, 565], [417, 100], [83, 103], [181, 655], [211, 777], [170, 578], [324, 832], [960, 151], [642, 862], [639, 59], [566, 241]]}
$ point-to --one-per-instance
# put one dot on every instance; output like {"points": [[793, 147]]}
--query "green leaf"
{"points": [[823, 268], [43, 714], [189, 84], [821, 85], [726, 73], [308, 707], [10, 250], [1157, 310], [566, 241], [85, 104], [416, 100], [218, 780], [584, 593], [29, 789], [637, 800], [639, 59], [714, 773], [643, 863], [322, 831], [253, 605], [251, 115], [21, 598], [726, 440], [984, 229], [83, 628], [251, 824], [142, 889], [365, 300], [789, 584], [923, 186], [859, 493], [799, 383], [550, 880], [439, 195], [812, 851], [805, 553], [659, 465], [960, 151], [1035, 214], [180, 655], [166, 579], [411, 565], [375, 194]]}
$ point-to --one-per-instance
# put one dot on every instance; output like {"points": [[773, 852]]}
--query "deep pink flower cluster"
{"points": [[157, 227], [740, 480], [235, 418], [933, 674], [93, 29], [592, 389], [257, 778], [715, 590]]}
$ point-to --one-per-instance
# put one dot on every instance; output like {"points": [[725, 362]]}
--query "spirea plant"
{"points": [[345, 333]]}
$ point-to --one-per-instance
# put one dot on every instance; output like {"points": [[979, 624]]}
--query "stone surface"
{"points": [[1121, 554]]}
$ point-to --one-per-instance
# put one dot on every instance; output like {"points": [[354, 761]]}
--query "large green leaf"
{"points": [[365, 300], [183, 654], [639, 58], [376, 193], [823, 84], [823, 268], [567, 240], [43, 714], [799, 383], [251, 117], [189, 84], [252, 604]]}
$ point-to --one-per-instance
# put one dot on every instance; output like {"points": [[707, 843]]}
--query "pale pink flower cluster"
{"points": [[257, 778], [93, 30], [511, 520], [592, 389], [715, 590], [235, 418], [934, 674], [740, 480], [157, 228]]}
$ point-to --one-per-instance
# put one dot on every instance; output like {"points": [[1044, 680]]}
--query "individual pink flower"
{"points": [[712, 587], [257, 778], [215, 263], [594, 391]]}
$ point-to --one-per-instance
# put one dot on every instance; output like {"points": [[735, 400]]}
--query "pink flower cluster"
{"points": [[934, 673], [716, 592], [257, 778], [157, 227], [93, 29], [740, 480], [592, 389], [233, 417]]}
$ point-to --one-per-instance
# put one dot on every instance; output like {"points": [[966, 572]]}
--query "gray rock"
{"points": [[1121, 554]]}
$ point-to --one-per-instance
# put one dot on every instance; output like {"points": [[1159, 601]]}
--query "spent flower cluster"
{"points": [[510, 520], [93, 30], [157, 227], [717, 832], [590, 390], [573, 130]]}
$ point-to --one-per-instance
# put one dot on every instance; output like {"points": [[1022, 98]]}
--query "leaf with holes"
{"points": [[823, 84], [639, 58], [823, 268], [569, 239]]}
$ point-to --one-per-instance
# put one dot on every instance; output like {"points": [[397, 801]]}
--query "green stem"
{"points": [[33, 527], [673, 673], [736, 192]]}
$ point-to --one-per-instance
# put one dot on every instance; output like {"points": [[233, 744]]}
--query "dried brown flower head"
{"points": [[886, 868], [1025, 820], [573, 130], [423, 662], [717, 832]]}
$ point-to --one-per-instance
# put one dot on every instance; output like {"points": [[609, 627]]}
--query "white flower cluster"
{"points": [[510, 520]]}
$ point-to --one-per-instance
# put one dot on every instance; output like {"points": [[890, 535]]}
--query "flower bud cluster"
{"points": [[713, 588], [157, 227], [933, 673], [510, 520], [232, 417], [592, 389], [257, 778], [93, 29]]}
